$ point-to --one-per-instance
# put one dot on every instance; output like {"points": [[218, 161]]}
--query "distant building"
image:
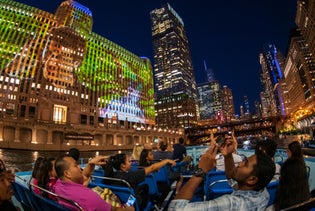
{"points": [[246, 106], [300, 63], [59, 79], [298, 72], [175, 85], [227, 104], [209, 99]]}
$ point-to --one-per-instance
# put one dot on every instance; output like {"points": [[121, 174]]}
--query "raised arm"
{"points": [[157, 166], [227, 149], [89, 168]]}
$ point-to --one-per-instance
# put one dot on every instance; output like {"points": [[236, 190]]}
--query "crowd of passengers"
{"points": [[248, 177]]}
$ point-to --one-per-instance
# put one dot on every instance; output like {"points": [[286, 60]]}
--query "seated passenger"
{"points": [[219, 157], [294, 150], [179, 150], [44, 176], [70, 185], [136, 151], [118, 166], [252, 175], [34, 179], [293, 184], [50, 185], [269, 147], [161, 154], [146, 158], [6, 177]]}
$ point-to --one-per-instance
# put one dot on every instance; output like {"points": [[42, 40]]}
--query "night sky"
{"points": [[228, 35]]}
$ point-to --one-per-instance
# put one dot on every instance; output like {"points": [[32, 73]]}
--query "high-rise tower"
{"points": [[173, 71], [272, 62]]}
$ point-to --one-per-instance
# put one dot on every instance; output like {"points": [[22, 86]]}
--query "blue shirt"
{"points": [[238, 200]]}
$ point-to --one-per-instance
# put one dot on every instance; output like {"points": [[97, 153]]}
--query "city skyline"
{"points": [[211, 30]]}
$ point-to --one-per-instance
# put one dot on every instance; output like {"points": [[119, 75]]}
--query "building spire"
{"points": [[205, 64], [209, 72]]}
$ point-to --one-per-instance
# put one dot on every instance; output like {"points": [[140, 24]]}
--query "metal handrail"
{"points": [[217, 181], [113, 179], [308, 202]]}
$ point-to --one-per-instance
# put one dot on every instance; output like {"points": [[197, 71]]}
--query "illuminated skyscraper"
{"points": [[209, 98], [56, 71], [227, 103], [271, 77], [176, 98], [301, 61]]}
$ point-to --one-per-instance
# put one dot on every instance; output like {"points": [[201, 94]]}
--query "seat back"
{"points": [[123, 192], [96, 174], [162, 175], [272, 190], [152, 184], [24, 196], [213, 176], [48, 204], [217, 189]]}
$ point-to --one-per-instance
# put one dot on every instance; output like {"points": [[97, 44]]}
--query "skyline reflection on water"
{"points": [[22, 160]]}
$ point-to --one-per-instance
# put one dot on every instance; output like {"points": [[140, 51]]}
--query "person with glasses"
{"points": [[70, 185], [6, 177]]}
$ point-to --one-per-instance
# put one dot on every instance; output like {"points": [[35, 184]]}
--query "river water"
{"points": [[22, 160]]}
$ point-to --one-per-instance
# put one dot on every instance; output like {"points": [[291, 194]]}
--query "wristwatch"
{"points": [[199, 173]]}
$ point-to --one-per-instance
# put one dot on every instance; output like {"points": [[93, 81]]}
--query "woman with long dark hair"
{"points": [[293, 184], [146, 158], [118, 166], [295, 150]]}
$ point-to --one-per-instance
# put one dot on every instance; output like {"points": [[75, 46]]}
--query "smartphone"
{"points": [[131, 200]]}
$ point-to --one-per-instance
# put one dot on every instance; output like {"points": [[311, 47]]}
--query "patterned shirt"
{"points": [[237, 200]]}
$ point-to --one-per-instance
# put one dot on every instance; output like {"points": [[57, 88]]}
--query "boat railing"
{"points": [[307, 205]]}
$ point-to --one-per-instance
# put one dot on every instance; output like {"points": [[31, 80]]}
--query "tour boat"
{"points": [[214, 186]]}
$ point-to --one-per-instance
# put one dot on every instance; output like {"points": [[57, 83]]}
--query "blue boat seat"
{"points": [[162, 175], [272, 190], [49, 204], [123, 192], [217, 189], [24, 195]]}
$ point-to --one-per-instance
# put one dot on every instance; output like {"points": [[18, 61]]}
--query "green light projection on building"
{"points": [[62, 50]]}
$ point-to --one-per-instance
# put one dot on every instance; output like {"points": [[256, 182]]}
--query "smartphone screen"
{"points": [[131, 200]]}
